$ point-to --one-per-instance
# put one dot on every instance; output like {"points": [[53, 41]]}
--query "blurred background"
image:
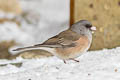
{"points": [[28, 22]]}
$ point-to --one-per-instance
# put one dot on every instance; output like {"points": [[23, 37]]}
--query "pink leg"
{"points": [[74, 60], [64, 61]]}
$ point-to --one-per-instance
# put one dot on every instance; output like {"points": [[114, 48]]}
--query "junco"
{"points": [[68, 44]]}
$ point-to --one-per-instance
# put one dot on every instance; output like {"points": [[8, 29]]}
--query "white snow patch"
{"points": [[42, 19], [11, 31], [6, 15], [93, 65]]}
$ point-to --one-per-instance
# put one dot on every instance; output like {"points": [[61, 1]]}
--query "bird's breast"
{"points": [[72, 52]]}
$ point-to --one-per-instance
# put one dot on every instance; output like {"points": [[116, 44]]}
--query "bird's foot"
{"points": [[74, 60], [64, 61], [71, 59]]}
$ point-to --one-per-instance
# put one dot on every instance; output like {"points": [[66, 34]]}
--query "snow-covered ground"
{"points": [[93, 65]]}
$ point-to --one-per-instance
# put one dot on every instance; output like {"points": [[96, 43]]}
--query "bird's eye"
{"points": [[88, 25]]}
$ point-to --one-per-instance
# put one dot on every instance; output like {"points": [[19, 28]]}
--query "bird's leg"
{"points": [[74, 60], [64, 61]]}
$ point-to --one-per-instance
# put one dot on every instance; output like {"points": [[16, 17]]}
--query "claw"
{"points": [[74, 60], [71, 59], [64, 61]]}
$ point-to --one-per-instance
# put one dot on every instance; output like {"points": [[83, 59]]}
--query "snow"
{"points": [[40, 21], [7, 15], [93, 65], [10, 31], [48, 18]]}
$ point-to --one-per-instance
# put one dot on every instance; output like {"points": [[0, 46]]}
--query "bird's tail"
{"points": [[24, 48], [37, 46]]}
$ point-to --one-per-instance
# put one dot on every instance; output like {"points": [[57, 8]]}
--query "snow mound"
{"points": [[93, 65]]}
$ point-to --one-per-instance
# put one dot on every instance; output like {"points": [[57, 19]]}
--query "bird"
{"points": [[68, 44]]}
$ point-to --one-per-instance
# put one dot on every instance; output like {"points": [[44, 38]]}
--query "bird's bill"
{"points": [[93, 28]]}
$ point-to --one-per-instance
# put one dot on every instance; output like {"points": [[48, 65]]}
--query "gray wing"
{"points": [[64, 39]]}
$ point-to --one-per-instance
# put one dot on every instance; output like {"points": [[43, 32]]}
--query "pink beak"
{"points": [[93, 28]]}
